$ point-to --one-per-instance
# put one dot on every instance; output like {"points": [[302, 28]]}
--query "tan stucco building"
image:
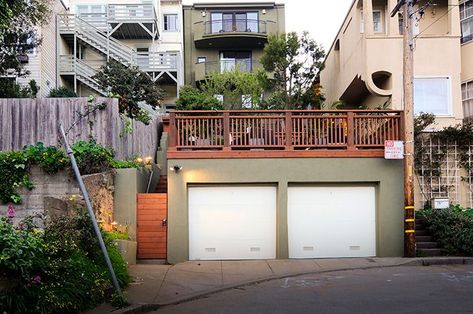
{"points": [[364, 63], [224, 36]]}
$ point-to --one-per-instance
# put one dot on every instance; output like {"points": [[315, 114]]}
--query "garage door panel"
{"points": [[232, 222], [331, 221]]}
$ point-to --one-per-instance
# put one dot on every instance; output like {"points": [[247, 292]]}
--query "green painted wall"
{"points": [[194, 23], [385, 175]]}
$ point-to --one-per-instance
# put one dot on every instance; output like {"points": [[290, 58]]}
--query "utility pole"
{"points": [[408, 78]]}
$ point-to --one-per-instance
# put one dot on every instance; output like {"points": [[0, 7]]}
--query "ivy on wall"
{"points": [[429, 161], [15, 165]]}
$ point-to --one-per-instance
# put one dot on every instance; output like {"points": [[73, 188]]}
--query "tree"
{"points": [[191, 98], [239, 89], [19, 23], [131, 86], [295, 63]]}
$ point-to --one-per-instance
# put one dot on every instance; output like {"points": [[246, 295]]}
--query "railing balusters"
{"points": [[287, 130]]}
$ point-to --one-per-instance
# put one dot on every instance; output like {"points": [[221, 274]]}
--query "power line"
{"points": [[438, 19]]}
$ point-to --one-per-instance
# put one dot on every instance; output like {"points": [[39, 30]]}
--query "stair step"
{"points": [[430, 252], [420, 221], [420, 226], [424, 238], [422, 232], [427, 245]]}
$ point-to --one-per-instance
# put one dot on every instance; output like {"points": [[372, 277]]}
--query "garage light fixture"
{"points": [[176, 168]]}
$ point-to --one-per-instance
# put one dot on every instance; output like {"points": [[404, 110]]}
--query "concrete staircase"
{"points": [[425, 244]]}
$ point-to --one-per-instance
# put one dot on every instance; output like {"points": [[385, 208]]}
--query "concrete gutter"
{"points": [[171, 292]]}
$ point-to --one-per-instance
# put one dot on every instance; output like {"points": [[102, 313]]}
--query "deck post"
{"points": [[173, 132], [226, 130], [351, 131], [288, 137]]}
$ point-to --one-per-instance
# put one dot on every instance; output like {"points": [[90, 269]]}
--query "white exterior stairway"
{"points": [[153, 63]]}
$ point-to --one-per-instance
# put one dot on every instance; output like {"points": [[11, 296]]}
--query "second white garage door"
{"points": [[232, 222], [331, 221]]}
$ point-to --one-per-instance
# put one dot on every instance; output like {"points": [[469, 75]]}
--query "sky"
{"points": [[321, 18]]}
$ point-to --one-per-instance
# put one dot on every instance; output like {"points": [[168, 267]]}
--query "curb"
{"points": [[425, 261]]}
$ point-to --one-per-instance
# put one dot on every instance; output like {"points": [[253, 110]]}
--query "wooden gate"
{"points": [[152, 225]]}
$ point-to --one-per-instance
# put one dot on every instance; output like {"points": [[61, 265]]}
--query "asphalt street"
{"points": [[414, 289]]}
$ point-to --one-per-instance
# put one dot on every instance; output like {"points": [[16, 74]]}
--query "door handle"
{"points": [[164, 222]]}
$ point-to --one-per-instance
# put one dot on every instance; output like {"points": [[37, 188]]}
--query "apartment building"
{"points": [[38, 61], [466, 23], [226, 36], [364, 63], [136, 33], [83, 35]]}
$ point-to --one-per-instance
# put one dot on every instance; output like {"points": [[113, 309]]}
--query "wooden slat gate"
{"points": [[152, 225]]}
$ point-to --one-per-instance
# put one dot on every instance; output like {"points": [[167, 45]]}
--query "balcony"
{"points": [[281, 133], [246, 33], [204, 69], [146, 61], [122, 21]]}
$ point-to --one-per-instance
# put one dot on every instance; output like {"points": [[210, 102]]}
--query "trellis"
{"points": [[442, 171]]}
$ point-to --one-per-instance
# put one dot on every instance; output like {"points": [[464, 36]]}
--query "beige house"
{"points": [[364, 63], [224, 36], [39, 63]]}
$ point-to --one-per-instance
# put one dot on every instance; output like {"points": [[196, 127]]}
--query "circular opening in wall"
{"points": [[382, 80]]}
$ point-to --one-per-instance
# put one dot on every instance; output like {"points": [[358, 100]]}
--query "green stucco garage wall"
{"points": [[385, 175]]}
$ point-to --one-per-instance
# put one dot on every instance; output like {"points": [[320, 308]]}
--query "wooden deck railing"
{"points": [[282, 130]]}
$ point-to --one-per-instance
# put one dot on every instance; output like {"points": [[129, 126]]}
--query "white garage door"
{"points": [[331, 221], [232, 222]]}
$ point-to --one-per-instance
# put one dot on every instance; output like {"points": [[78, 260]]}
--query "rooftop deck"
{"points": [[281, 133]]}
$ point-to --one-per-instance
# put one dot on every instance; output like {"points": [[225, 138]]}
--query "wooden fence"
{"points": [[28, 121]]}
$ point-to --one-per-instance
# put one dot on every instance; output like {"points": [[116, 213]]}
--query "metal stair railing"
{"points": [[106, 44], [97, 38], [85, 74]]}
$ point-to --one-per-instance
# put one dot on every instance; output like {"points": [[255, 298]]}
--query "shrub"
{"points": [[191, 98], [11, 89], [14, 173], [127, 163], [58, 270], [61, 92], [452, 228], [50, 159], [92, 157]]}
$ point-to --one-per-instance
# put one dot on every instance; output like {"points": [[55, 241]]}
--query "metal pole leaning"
{"points": [[70, 153]]}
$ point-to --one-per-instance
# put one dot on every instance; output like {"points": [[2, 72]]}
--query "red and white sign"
{"points": [[393, 150]]}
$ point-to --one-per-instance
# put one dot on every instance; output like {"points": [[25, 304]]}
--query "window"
{"points": [[466, 20], [221, 22], [142, 56], [377, 22], [246, 101], [432, 95], [201, 59], [401, 25], [232, 60], [467, 100], [171, 22]]}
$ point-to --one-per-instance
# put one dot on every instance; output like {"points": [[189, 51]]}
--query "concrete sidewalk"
{"points": [[156, 285]]}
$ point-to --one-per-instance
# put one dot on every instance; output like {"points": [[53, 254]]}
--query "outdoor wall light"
{"points": [[148, 160], [203, 13], [176, 168], [263, 11]]}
